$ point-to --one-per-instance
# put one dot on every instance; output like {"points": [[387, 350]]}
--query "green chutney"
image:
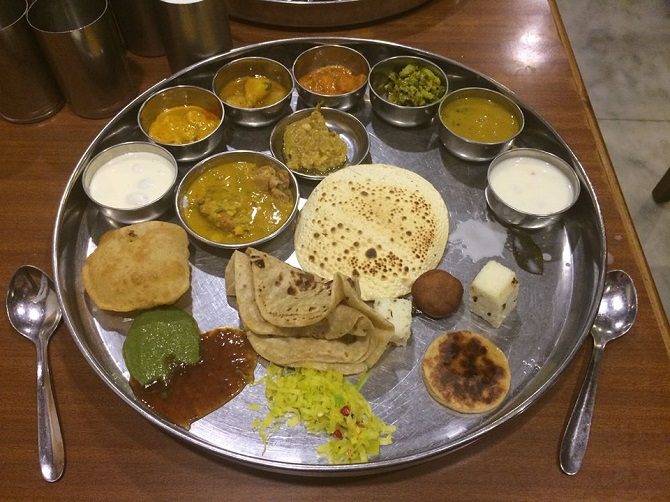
{"points": [[158, 342]]}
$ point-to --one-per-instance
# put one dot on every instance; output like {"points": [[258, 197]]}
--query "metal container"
{"points": [[137, 22], [323, 55], [29, 91], [179, 96], [225, 158], [397, 115], [147, 212], [252, 67], [469, 149], [318, 14], [505, 210], [192, 30], [82, 44], [348, 128]]}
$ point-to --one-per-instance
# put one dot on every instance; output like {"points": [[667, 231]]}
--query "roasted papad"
{"points": [[296, 319], [382, 225], [138, 267]]}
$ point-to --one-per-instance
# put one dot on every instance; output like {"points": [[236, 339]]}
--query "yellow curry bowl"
{"points": [[477, 124], [255, 91], [237, 199], [186, 120]]}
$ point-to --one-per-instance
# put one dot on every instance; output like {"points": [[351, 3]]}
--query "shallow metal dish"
{"points": [[539, 347], [317, 13], [348, 128]]}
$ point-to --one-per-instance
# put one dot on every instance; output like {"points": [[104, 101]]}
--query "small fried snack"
{"points": [[138, 267], [466, 372]]}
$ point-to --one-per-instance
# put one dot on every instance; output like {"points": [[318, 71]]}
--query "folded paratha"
{"points": [[297, 319]]}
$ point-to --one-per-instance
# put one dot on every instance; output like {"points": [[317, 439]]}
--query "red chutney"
{"points": [[226, 366], [331, 80]]}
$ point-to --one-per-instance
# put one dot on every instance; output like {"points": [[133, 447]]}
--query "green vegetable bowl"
{"points": [[406, 91]]}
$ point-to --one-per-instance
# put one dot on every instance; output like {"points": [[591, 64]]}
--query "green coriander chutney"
{"points": [[159, 341]]}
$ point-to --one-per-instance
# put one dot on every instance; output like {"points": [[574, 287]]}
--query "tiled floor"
{"points": [[623, 51]]}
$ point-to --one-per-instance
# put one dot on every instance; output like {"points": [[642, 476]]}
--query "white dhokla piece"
{"points": [[493, 293], [398, 311]]}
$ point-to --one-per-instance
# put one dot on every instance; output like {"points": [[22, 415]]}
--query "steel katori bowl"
{"points": [[181, 96], [397, 113], [252, 67], [185, 201], [454, 122], [323, 56], [530, 188], [131, 182], [346, 126]]}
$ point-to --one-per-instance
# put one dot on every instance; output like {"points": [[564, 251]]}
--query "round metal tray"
{"points": [[317, 13], [553, 316]]}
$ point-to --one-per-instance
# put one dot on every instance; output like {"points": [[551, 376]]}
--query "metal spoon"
{"points": [[616, 314], [33, 310]]}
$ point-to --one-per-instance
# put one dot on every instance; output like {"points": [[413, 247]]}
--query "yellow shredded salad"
{"points": [[325, 402]]}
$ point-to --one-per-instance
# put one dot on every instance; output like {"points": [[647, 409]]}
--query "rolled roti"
{"points": [[323, 324]]}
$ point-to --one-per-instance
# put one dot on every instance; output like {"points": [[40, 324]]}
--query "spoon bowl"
{"points": [[616, 314], [34, 311]]}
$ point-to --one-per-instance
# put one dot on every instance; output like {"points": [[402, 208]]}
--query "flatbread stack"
{"points": [[380, 224], [138, 267], [297, 319]]}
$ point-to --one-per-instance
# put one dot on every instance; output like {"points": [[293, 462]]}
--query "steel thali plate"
{"points": [[553, 316]]}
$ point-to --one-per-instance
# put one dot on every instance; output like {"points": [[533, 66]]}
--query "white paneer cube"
{"points": [[398, 311], [493, 293]]}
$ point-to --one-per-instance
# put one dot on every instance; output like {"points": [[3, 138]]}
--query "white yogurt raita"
{"points": [[531, 185], [132, 180]]}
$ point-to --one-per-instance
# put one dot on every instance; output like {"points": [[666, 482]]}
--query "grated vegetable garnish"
{"points": [[325, 402]]}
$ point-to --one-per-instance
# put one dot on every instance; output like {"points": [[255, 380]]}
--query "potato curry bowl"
{"points": [[237, 199]]}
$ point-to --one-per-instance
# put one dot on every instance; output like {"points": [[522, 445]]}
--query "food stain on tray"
{"points": [[478, 239]]}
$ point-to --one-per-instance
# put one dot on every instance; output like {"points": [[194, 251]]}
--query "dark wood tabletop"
{"points": [[113, 453]]}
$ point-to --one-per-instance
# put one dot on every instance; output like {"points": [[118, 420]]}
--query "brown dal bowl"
{"points": [[323, 55], [251, 67], [203, 166]]}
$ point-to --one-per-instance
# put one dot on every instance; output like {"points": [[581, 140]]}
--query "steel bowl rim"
{"points": [[173, 89], [353, 92], [234, 62], [119, 146], [549, 157], [297, 115], [201, 166], [426, 62], [462, 90]]}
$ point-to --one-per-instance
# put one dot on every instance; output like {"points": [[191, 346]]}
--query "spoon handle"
{"points": [[576, 434], [49, 437]]}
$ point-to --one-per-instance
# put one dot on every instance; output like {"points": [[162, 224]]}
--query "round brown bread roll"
{"points": [[437, 293], [466, 372]]}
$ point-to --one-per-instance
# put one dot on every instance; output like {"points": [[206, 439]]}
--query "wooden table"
{"points": [[113, 453]]}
